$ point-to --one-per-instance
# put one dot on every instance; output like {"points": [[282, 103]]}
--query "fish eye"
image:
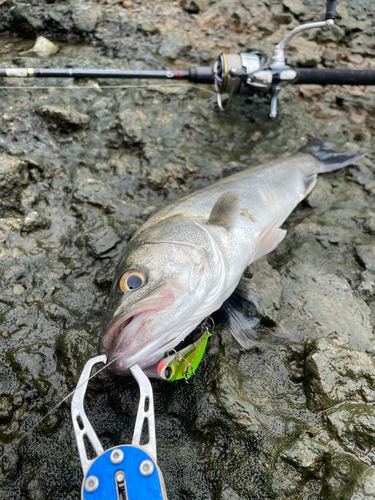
{"points": [[132, 280], [168, 372]]}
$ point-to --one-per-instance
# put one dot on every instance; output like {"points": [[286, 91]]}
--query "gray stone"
{"points": [[367, 286], [366, 254], [192, 6], [13, 173], [369, 224], [353, 426], [303, 52], [100, 242], [240, 19], [94, 192], [34, 221], [29, 196], [321, 304], [365, 486], [335, 375], [341, 474], [132, 123], [67, 117], [175, 43], [306, 454], [44, 47], [148, 28], [333, 34], [283, 17], [295, 6], [86, 16], [363, 44], [229, 494], [265, 284]]}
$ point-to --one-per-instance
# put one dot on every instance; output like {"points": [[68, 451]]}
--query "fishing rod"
{"points": [[242, 73]]}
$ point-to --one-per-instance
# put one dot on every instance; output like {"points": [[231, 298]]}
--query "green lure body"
{"points": [[184, 363]]}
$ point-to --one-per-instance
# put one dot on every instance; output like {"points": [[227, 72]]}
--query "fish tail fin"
{"points": [[330, 160]]}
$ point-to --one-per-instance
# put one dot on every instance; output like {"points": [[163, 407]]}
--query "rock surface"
{"points": [[43, 47], [335, 375], [83, 166]]}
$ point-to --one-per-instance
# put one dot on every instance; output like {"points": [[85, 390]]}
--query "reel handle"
{"points": [[331, 9]]}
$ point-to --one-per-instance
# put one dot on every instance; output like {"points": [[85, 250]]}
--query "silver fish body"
{"points": [[193, 253]]}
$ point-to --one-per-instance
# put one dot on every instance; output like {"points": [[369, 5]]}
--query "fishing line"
{"points": [[110, 87], [13, 444]]}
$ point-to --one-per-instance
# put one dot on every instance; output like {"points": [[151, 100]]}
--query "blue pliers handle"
{"points": [[125, 472]]}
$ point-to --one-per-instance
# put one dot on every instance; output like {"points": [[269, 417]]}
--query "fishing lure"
{"points": [[184, 363]]}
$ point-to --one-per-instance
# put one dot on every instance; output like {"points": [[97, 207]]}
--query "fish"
{"points": [[187, 260]]}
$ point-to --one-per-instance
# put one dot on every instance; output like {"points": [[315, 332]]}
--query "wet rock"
{"points": [[229, 494], [265, 283], [369, 224], [363, 175], [266, 26], [295, 6], [148, 28], [86, 16], [366, 254], [132, 123], [34, 221], [311, 293], [356, 103], [175, 43], [239, 19], [13, 173], [6, 416], [283, 17], [302, 52], [29, 197], [192, 6], [101, 241], [43, 47], [363, 44], [367, 286], [357, 119], [333, 34], [335, 374], [306, 454], [342, 472], [355, 58], [94, 192], [66, 118], [365, 486], [354, 427], [216, 15], [18, 290]]}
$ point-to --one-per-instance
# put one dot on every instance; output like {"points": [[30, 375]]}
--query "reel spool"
{"points": [[234, 74]]}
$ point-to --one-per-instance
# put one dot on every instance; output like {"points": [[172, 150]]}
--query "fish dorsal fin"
{"points": [[239, 313], [224, 211]]}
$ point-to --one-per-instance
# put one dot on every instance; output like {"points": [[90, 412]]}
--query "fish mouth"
{"points": [[126, 336]]}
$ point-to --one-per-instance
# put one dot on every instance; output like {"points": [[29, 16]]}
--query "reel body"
{"points": [[243, 73]]}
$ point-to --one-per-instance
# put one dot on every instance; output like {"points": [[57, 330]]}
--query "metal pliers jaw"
{"points": [[126, 471]]}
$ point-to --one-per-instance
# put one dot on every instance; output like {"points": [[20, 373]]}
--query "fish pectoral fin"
{"points": [[269, 240], [239, 313], [225, 210]]}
